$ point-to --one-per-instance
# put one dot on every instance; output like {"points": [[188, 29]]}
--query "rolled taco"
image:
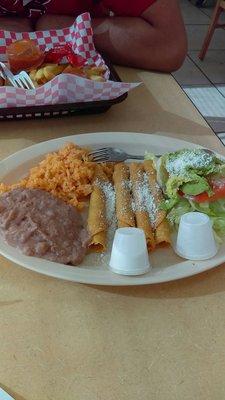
{"points": [[124, 212], [97, 222], [160, 223], [141, 212]]}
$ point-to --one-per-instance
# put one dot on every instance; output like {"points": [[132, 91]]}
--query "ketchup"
{"points": [[24, 55]]}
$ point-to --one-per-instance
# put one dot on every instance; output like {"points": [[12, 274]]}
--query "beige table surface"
{"points": [[66, 341]]}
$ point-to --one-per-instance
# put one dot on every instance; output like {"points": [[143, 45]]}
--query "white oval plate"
{"points": [[167, 266]]}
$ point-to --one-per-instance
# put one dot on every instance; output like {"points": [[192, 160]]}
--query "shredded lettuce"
{"points": [[190, 171], [215, 211], [185, 162], [176, 212], [152, 157], [196, 187]]}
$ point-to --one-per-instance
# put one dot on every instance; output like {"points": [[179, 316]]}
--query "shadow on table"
{"points": [[146, 109], [207, 283], [15, 395]]}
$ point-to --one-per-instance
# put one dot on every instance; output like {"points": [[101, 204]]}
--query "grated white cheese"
{"points": [[188, 159], [126, 184], [110, 197], [144, 200]]}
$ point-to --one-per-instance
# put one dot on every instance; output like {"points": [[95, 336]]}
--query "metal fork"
{"points": [[110, 154], [21, 80]]}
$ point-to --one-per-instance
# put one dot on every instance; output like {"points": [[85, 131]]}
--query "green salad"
{"points": [[193, 180]]}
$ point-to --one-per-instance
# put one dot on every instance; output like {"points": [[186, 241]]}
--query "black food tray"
{"points": [[59, 110]]}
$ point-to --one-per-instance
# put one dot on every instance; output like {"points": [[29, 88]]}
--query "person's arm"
{"points": [[15, 24], [155, 41]]}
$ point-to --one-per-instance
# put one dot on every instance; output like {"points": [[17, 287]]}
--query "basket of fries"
{"points": [[69, 76]]}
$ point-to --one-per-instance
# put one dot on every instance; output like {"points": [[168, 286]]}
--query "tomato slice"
{"points": [[203, 197], [218, 187]]}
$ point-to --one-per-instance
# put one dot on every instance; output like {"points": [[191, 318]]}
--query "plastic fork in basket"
{"points": [[21, 80]]}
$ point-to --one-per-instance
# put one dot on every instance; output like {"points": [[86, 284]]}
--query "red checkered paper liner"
{"points": [[64, 88]]}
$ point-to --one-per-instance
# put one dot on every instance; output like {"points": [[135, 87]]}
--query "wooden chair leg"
{"points": [[212, 27]]}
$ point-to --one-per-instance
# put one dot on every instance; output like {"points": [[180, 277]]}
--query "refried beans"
{"points": [[42, 225]]}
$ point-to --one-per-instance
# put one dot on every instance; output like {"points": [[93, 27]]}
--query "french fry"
{"points": [[95, 71], [39, 77], [74, 70], [52, 70], [47, 72], [97, 78], [32, 74]]}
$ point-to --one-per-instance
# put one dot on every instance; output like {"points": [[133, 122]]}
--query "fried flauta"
{"points": [[124, 212], [162, 234], [161, 226], [97, 222], [141, 212]]}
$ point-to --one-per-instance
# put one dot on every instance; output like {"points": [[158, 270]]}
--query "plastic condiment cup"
{"points": [[129, 254], [195, 239]]}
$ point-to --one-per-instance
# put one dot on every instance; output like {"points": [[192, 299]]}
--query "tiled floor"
{"points": [[204, 81]]}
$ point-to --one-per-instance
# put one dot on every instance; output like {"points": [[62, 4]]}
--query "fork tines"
{"points": [[102, 149], [25, 82], [101, 155], [21, 80]]}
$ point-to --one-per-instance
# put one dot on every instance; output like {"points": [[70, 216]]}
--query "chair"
{"points": [[220, 6]]}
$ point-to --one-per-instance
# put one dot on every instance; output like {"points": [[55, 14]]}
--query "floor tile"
{"points": [[217, 124], [190, 74], [223, 141], [208, 100], [209, 12], [221, 89], [196, 35], [192, 14], [213, 65], [221, 135], [204, 82]]}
